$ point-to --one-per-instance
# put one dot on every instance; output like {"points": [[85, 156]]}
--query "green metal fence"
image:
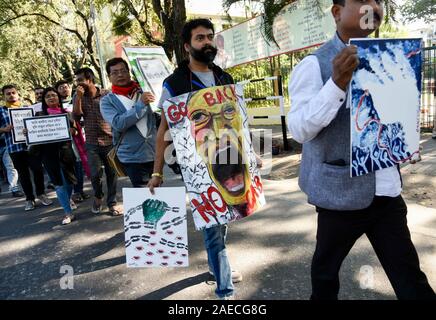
{"points": [[428, 97]]}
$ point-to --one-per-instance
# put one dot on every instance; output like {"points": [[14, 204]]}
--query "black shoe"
{"points": [[85, 196], [77, 197], [17, 194], [50, 186]]}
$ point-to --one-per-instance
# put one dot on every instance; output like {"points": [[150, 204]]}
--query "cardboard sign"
{"points": [[210, 132], [17, 115], [47, 129], [155, 227]]}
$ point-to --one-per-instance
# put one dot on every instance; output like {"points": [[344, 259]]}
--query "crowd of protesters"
{"points": [[347, 208], [67, 163]]}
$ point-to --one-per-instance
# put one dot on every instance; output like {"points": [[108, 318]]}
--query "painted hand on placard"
{"points": [[153, 210]]}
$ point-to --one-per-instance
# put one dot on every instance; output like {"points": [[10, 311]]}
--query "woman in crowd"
{"points": [[58, 157]]}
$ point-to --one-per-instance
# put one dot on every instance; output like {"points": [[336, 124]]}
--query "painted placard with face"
{"points": [[210, 132]]}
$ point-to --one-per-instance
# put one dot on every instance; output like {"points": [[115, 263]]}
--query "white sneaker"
{"points": [[45, 200], [68, 219], [73, 205], [30, 205], [236, 276]]}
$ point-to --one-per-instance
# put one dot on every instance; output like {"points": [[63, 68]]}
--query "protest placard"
{"points": [[384, 102], [47, 129], [17, 115], [155, 227], [215, 152]]}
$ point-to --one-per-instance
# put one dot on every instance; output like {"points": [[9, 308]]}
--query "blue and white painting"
{"points": [[384, 100]]}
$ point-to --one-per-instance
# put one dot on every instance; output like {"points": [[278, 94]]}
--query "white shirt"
{"points": [[314, 105], [129, 104]]}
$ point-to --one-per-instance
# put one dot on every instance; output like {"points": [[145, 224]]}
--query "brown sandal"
{"points": [[115, 212]]}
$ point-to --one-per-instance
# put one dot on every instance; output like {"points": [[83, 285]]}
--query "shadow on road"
{"points": [[175, 287]]}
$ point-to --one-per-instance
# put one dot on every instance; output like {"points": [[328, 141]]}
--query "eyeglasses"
{"points": [[119, 72], [202, 117]]}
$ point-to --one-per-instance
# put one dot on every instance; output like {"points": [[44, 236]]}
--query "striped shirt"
{"points": [[5, 121]]}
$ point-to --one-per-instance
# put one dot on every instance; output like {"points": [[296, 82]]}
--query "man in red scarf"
{"points": [[128, 111]]}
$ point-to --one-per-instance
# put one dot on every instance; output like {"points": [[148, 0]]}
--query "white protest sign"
{"points": [[47, 129], [17, 115], [151, 66], [155, 227]]}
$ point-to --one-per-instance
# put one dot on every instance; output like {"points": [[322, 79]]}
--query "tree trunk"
{"points": [[179, 19]]}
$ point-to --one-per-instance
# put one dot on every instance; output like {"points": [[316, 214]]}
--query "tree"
{"points": [[419, 9], [170, 15], [36, 54], [72, 16]]}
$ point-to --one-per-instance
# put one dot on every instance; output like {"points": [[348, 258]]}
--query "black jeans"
{"points": [[23, 161], [97, 158], [384, 223], [139, 173], [58, 159]]}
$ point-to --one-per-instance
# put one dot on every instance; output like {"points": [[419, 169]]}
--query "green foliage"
{"points": [[71, 17], [419, 9], [121, 24], [33, 50]]}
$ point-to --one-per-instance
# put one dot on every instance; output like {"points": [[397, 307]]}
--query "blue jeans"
{"points": [[11, 173], [63, 193], [215, 242]]}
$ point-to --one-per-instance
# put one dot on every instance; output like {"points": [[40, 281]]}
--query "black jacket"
{"points": [[180, 81]]}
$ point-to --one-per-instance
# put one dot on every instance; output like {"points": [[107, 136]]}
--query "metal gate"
{"points": [[428, 93]]}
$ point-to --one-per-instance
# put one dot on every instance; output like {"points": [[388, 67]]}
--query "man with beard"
{"points": [[98, 134], [194, 74], [347, 207]]}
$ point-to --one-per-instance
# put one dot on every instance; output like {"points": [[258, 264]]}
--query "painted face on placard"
{"points": [[217, 127]]}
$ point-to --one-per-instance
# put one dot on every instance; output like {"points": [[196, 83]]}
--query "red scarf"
{"points": [[128, 91], [79, 140]]}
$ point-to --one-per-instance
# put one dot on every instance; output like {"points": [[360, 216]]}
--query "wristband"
{"points": [[156, 174]]}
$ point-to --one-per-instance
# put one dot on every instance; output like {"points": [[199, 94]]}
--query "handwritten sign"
{"points": [[17, 115], [47, 129], [150, 66]]}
